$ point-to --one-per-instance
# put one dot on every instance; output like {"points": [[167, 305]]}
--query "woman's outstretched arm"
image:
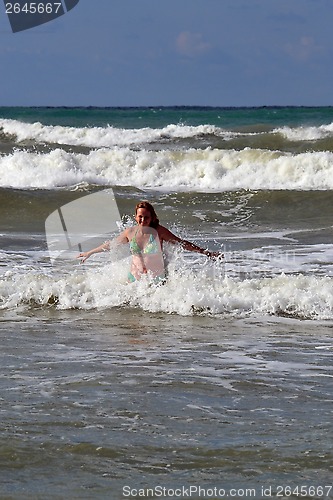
{"points": [[168, 236], [122, 238], [85, 255]]}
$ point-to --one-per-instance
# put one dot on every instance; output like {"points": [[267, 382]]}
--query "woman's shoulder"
{"points": [[127, 234]]}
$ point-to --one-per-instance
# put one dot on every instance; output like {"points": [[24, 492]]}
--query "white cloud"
{"points": [[303, 49], [191, 44]]}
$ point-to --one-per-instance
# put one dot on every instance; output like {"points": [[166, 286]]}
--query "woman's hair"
{"points": [[145, 204]]}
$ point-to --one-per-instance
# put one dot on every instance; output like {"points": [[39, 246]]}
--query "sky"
{"points": [[172, 52]]}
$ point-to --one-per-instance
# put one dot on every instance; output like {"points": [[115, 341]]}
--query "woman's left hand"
{"points": [[215, 255]]}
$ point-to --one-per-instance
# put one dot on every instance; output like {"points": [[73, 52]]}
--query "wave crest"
{"points": [[186, 292], [189, 170]]}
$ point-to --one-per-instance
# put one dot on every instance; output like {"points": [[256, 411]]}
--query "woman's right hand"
{"points": [[83, 256]]}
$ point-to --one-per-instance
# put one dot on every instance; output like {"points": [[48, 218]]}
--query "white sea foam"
{"points": [[110, 136], [187, 292], [306, 133], [206, 170], [97, 137]]}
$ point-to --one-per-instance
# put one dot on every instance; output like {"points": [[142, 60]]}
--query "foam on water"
{"points": [[191, 169], [110, 136], [97, 137], [306, 133], [203, 289]]}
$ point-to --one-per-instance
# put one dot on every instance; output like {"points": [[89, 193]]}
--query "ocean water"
{"points": [[217, 384]]}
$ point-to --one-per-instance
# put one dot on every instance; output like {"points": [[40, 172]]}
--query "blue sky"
{"points": [[172, 52]]}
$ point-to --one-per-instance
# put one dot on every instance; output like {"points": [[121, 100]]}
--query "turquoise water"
{"points": [[232, 118]]}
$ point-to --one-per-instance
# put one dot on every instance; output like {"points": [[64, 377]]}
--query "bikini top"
{"points": [[151, 246]]}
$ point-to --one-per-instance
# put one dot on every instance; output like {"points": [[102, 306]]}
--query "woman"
{"points": [[146, 241]]}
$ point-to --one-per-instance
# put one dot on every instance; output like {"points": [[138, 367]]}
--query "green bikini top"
{"points": [[150, 248]]}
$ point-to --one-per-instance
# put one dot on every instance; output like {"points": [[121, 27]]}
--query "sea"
{"points": [[216, 384]]}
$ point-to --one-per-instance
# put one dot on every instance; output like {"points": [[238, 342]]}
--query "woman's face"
{"points": [[143, 217]]}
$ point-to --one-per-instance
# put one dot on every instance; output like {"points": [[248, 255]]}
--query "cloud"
{"points": [[191, 44], [303, 49]]}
